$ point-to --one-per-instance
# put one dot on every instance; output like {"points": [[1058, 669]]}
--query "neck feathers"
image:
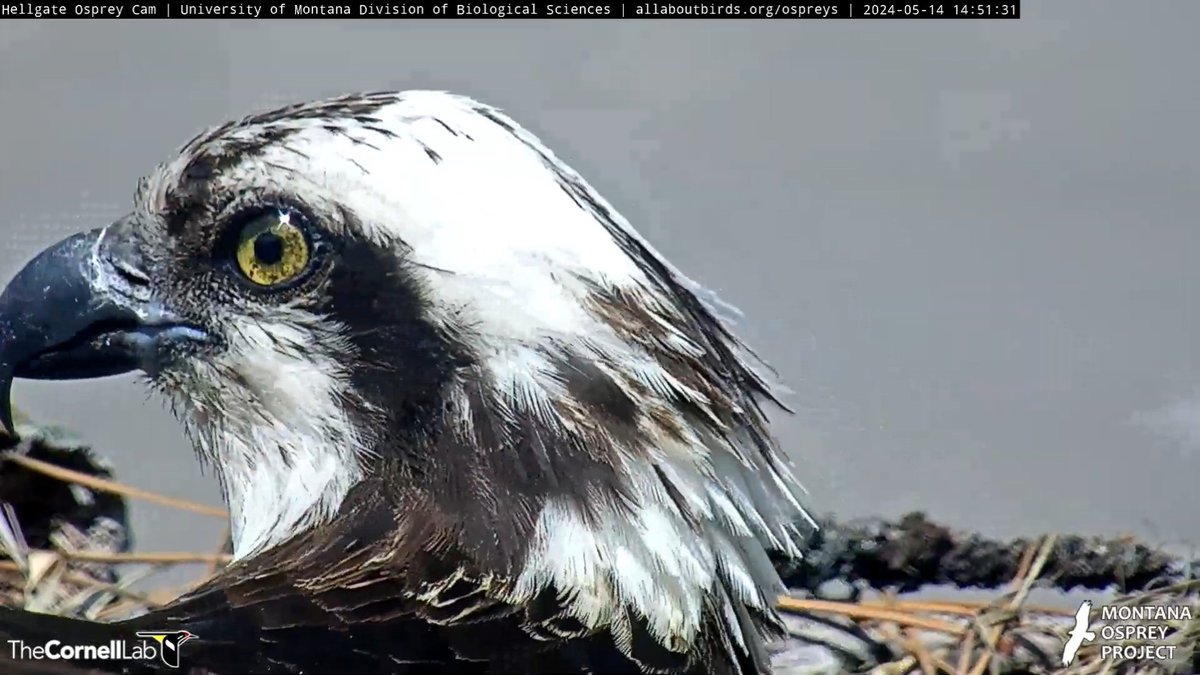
{"points": [[275, 426]]}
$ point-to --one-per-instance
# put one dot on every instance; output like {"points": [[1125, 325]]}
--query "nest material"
{"points": [[890, 635], [65, 541]]}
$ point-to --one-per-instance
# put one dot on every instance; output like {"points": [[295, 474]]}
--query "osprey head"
{"points": [[409, 291]]}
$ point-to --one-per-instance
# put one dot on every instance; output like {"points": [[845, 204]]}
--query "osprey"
{"points": [[464, 417]]}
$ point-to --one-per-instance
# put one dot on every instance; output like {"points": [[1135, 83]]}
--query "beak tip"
{"points": [[6, 412], [6, 421]]}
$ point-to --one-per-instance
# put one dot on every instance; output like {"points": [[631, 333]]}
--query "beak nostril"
{"points": [[129, 273]]}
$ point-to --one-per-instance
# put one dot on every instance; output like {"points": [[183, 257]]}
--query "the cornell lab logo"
{"points": [[169, 642]]}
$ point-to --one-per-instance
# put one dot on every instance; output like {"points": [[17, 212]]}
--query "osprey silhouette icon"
{"points": [[1079, 634]]}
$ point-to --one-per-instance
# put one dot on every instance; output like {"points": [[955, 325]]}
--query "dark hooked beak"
{"points": [[80, 310]]}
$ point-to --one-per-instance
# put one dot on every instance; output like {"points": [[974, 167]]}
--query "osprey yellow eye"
{"points": [[272, 250]]}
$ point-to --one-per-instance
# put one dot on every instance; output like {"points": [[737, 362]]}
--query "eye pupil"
{"points": [[272, 248], [268, 248]]}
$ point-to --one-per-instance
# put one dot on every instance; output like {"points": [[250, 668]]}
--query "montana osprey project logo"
{"points": [[1079, 634], [170, 643]]}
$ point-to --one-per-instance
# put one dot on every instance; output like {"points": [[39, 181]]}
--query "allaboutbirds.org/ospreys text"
{"points": [[560, 9]]}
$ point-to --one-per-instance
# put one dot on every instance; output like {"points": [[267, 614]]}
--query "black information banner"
{"points": [[560, 9]]}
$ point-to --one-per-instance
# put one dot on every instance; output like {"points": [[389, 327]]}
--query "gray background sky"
{"points": [[968, 246]]}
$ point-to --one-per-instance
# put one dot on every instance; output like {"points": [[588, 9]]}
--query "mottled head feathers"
{"points": [[527, 387]]}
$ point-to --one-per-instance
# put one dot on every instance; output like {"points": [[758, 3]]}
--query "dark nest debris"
{"points": [[65, 548]]}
